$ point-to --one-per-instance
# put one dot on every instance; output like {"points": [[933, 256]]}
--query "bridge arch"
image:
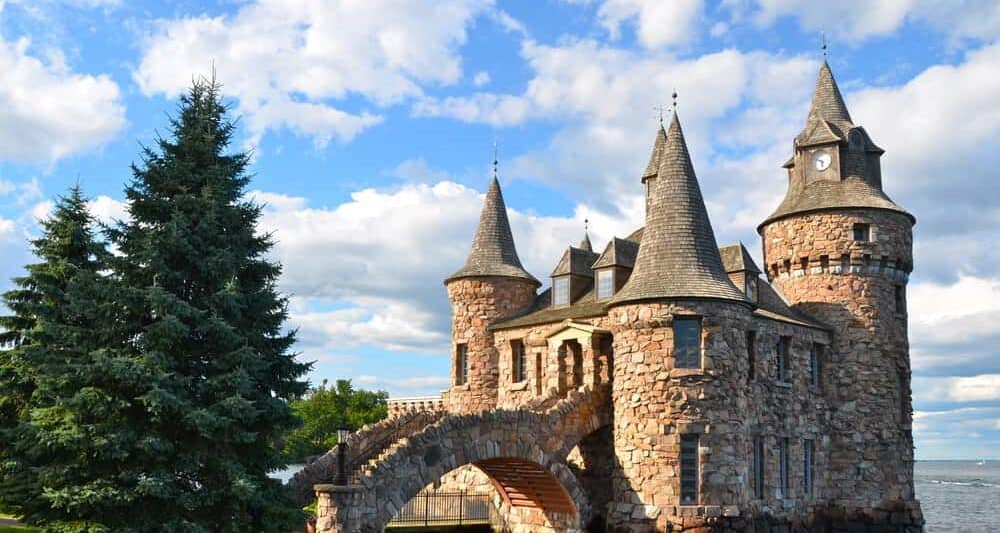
{"points": [[511, 446]]}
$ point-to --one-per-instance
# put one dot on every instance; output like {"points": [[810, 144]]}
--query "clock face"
{"points": [[821, 160]]}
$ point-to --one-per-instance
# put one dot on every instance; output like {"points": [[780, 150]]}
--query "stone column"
{"points": [[339, 509]]}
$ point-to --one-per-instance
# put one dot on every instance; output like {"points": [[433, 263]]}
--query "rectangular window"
{"points": [[461, 364], [862, 232], [560, 291], [900, 299], [783, 466], [751, 284], [687, 343], [518, 361], [751, 355], [689, 469], [605, 283], [815, 354], [807, 466], [784, 345], [758, 467]]}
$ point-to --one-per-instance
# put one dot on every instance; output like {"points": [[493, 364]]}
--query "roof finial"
{"points": [[823, 47], [659, 112], [496, 161], [586, 225], [674, 96]]}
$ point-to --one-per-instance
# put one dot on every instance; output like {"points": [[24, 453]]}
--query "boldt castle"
{"points": [[664, 383]]}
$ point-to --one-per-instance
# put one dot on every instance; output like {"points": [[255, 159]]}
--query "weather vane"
{"points": [[496, 160], [823, 36], [659, 112], [674, 96]]}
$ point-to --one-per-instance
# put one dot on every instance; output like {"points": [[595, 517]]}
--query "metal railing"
{"points": [[445, 509]]}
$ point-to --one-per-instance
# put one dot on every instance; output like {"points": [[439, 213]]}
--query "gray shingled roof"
{"points": [[654, 158], [678, 255], [828, 116], [829, 121], [736, 258], [575, 261], [585, 243], [542, 312], [493, 251], [618, 252]]}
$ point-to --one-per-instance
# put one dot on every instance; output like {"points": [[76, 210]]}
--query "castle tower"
{"points": [[677, 392], [491, 286], [840, 249]]}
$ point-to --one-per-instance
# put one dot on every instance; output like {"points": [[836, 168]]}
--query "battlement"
{"points": [[415, 404]]}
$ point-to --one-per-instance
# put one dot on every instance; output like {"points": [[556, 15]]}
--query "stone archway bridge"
{"points": [[523, 451]]}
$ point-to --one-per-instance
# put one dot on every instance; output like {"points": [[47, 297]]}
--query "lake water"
{"points": [[957, 496]]}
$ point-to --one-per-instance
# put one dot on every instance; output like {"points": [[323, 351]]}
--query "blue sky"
{"points": [[372, 127]]}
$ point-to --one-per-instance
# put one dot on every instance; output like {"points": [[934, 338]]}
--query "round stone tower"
{"points": [[678, 393], [839, 249], [491, 286]]}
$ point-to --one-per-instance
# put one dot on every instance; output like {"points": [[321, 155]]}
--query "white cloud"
{"points": [[6, 230], [658, 23], [481, 78], [985, 387], [47, 111], [860, 19], [402, 386], [289, 64], [108, 210]]}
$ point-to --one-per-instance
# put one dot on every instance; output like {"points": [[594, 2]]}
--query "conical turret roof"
{"points": [[493, 251], [585, 243], [678, 255], [659, 142], [828, 119]]}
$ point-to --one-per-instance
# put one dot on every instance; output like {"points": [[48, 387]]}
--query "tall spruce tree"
{"points": [[208, 325], [54, 407]]}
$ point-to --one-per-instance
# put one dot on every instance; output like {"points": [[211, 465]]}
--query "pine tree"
{"points": [[208, 325], [50, 401]]}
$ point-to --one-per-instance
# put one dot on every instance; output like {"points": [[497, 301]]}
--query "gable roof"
{"points": [[575, 261], [736, 258], [618, 252], [493, 252], [678, 255]]}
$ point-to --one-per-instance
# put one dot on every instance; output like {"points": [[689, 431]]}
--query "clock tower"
{"points": [[839, 249]]}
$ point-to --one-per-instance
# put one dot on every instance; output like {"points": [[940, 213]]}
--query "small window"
{"points": [[900, 293], [689, 469], [560, 291], [461, 364], [758, 467], [862, 232], [807, 466], [815, 354], [784, 347], [687, 343], [824, 263], [751, 355], [783, 467], [751, 285], [518, 361], [605, 283]]}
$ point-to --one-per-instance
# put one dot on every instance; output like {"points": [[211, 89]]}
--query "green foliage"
{"points": [[149, 390], [326, 409]]}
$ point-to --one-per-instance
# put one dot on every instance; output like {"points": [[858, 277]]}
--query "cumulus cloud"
{"points": [[860, 19], [291, 65], [657, 23], [47, 111], [982, 388]]}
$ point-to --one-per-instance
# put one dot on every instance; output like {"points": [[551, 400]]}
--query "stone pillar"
{"points": [[339, 509]]}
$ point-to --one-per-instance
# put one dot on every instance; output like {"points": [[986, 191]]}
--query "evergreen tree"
{"points": [[207, 322], [52, 403]]}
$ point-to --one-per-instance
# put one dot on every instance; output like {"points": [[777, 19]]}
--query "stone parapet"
{"points": [[400, 406]]}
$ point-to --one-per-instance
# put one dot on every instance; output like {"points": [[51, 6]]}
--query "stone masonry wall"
{"points": [[858, 288], [655, 403], [475, 304]]}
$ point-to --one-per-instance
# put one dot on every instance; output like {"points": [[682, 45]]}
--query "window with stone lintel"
{"points": [[687, 342], [518, 361], [461, 364]]}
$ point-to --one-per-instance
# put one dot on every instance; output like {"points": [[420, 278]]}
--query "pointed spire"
{"points": [[827, 111], [493, 251], [659, 141], [678, 255], [585, 243]]}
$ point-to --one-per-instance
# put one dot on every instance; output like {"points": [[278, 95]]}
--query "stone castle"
{"points": [[664, 383]]}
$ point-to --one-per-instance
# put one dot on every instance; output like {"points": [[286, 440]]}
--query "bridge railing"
{"points": [[433, 508]]}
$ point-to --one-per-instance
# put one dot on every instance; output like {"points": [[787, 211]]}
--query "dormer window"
{"points": [[605, 283], [560, 291], [862, 232], [751, 286]]}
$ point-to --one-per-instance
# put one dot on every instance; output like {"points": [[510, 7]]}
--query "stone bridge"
{"points": [[523, 452]]}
